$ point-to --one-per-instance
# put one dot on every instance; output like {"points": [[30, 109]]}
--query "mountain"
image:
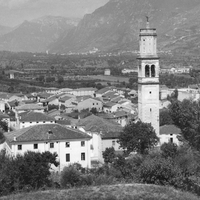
{"points": [[5, 29], [36, 35], [115, 27]]}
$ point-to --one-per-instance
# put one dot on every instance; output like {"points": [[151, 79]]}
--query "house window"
{"points": [[35, 146], [82, 143], [82, 156], [96, 103], [171, 140], [30, 122], [19, 147], [67, 144], [113, 142], [44, 122], [51, 145], [93, 103], [67, 157]]}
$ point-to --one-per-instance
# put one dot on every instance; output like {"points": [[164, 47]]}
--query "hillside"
{"points": [[115, 26], [111, 192], [36, 35]]}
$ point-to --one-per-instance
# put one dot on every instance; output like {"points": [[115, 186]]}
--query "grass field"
{"points": [[108, 192]]}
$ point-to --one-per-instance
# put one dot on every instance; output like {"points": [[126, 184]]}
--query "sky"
{"points": [[14, 12]]}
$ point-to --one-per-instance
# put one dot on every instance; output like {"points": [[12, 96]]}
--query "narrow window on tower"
{"points": [[153, 71], [147, 71]]}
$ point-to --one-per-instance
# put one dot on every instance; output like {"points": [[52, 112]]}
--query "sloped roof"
{"points": [[42, 133], [97, 124], [103, 91], [169, 129], [110, 104], [35, 117], [5, 95], [86, 89], [3, 115], [111, 94], [44, 95], [65, 98], [29, 107], [83, 98]]}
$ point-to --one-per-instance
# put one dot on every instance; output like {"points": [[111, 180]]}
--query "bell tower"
{"points": [[148, 78]]}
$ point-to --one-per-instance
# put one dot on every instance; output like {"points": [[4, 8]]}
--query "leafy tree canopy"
{"points": [[186, 116], [138, 137]]}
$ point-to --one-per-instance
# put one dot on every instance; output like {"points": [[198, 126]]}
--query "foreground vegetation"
{"points": [[108, 192]]}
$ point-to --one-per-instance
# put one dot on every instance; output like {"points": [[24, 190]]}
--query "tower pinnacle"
{"points": [[147, 25]]}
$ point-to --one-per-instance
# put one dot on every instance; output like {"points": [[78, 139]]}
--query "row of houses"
{"points": [[79, 140]]}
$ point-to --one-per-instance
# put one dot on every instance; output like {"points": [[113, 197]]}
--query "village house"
{"points": [[87, 102], [104, 135], [111, 107], [81, 91], [71, 145], [67, 100], [170, 133], [102, 92], [29, 107], [33, 118]]}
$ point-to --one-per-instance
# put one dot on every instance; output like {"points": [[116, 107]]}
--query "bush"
{"points": [[158, 170], [70, 176], [169, 150]]}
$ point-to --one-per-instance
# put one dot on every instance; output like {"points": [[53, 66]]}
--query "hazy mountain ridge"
{"points": [[112, 27], [36, 35], [116, 25]]}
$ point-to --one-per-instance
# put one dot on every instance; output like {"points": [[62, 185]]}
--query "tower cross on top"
{"points": [[147, 17]]}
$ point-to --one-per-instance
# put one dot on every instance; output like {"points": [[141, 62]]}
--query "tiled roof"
{"points": [[35, 117], [44, 95], [103, 91], [83, 98], [110, 94], [65, 98], [4, 95], [29, 107], [45, 132], [109, 104], [3, 115], [121, 114], [86, 89], [169, 129], [97, 124]]}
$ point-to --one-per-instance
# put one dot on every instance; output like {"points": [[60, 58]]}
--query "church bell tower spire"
{"points": [[148, 77]]}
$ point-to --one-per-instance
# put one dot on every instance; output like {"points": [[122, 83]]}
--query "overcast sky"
{"points": [[14, 12]]}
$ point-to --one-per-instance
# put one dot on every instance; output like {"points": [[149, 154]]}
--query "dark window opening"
{"points": [[67, 157], [67, 144], [19, 147], [82, 156], [147, 72], [82, 143], [35, 146], [153, 71], [51, 145]]}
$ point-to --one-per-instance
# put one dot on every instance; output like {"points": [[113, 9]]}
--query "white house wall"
{"points": [[74, 150]]}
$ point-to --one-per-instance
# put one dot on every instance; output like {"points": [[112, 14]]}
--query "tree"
{"points": [[165, 117], [109, 155], [138, 137], [60, 80], [31, 170], [169, 150], [93, 111], [186, 116]]}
